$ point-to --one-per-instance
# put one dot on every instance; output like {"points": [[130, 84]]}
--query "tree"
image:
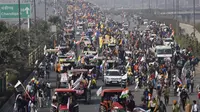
{"points": [[54, 20]]}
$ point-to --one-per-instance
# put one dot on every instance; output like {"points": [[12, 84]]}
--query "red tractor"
{"points": [[65, 101], [111, 101]]}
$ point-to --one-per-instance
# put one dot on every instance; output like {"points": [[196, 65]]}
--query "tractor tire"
{"points": [[102, 109], [88, 96]]}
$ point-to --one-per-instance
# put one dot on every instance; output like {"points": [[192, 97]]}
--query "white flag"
{"points": [[96, 56], [78, 80], [17, 84], [63, 77], [99, 91], [45, 50]]}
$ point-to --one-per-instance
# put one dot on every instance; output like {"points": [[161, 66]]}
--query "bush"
{"points": [[11, 76], [189, 42]]}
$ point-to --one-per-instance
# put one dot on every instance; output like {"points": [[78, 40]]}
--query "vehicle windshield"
{"points": [[168, 40], [164, 51], [113, 73]]}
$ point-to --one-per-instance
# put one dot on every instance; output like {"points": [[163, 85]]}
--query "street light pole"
{"points": [[142, 4], [165, 7], [19, 10], [173, 9], [114, 4], [156, 6], [150, 5], [194, 16], [35, 19], [45, 10]]}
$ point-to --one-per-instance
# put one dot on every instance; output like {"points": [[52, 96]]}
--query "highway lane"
{"points": [[138, 94], [94, 106]]}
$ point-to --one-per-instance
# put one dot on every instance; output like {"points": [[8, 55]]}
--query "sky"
{"points": [[138, 3]]}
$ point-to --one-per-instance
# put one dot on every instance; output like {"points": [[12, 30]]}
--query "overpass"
{"points": [[185, 16]]}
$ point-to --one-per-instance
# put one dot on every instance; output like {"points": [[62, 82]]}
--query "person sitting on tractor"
{"points": [[108, 103], [54, 104]]}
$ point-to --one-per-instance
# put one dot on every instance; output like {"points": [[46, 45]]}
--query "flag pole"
{"points": [[26, 91]]}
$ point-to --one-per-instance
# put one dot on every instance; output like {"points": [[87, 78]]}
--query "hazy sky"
{"points": [[138, 3]]}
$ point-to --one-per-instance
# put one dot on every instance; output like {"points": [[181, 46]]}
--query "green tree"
{"points": [[54, 20]]}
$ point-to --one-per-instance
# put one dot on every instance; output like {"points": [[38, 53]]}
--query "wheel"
{"points": [[76, 109], [102, 109], [88, 96]]}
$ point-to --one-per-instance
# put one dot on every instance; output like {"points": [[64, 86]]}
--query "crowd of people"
{"points": [[147, 66]]}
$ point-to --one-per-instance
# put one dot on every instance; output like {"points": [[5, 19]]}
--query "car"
{"points": [[162, 51], [145, 21], [168, 41], [125, 25], [112, 76]]}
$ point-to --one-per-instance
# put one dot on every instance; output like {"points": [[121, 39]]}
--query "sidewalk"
{"points": [[189, 29]]}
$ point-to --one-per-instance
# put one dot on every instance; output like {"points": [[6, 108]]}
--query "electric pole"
{"points": [[45, 10], [165, 7], [173, 9], [156, 6], [177, 12], [194, 16], [35, 19], [19, 10]]}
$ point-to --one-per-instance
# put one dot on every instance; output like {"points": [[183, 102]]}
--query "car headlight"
{"points": [[107, 79]]}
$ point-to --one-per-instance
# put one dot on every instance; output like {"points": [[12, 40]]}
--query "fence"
{"points": [[35, 55]]}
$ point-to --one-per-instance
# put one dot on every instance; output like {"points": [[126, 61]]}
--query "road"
{"points": [[193, 96], [94, 106]]}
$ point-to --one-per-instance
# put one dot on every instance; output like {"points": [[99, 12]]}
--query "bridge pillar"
{"points": [[186, 18]]}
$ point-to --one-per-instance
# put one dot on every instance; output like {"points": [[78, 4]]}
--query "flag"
{"points": [[96, 56], [99, 91], [76, 84], [178, 79], [124, 93], [100, 42], [45, 48], [172, 33], [17, 84], [68, 103]]}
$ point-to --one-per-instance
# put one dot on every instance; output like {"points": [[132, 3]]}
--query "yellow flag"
{"points": [[79, 58], [100, 42], [120, 42]]}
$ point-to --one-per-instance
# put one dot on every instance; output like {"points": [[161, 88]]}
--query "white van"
{"points": [[162, 51]]}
